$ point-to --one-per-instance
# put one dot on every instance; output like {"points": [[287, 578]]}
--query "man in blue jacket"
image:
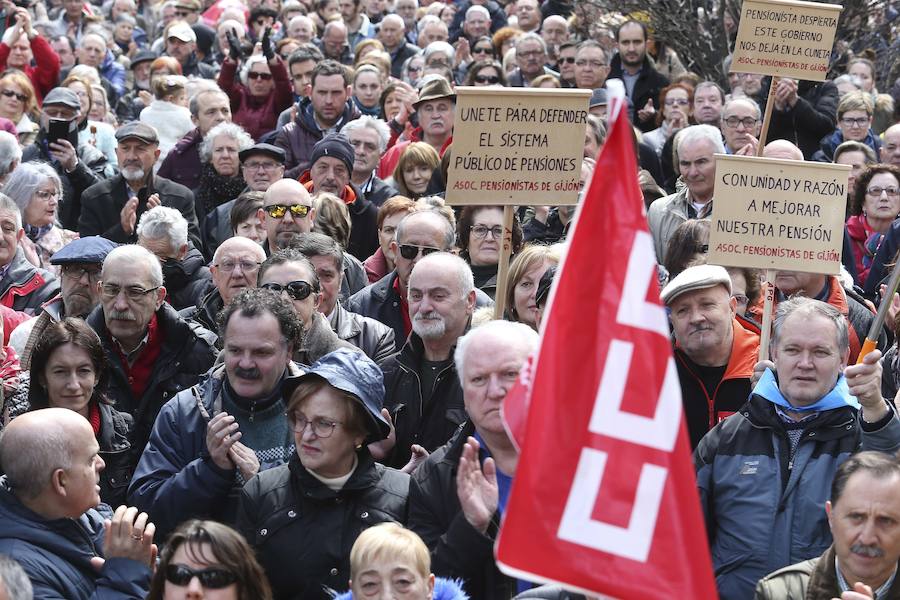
{"points": [[765, 472], [51, 520]]}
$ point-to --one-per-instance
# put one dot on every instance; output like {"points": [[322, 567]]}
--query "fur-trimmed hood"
{"points": [[444, 589]]}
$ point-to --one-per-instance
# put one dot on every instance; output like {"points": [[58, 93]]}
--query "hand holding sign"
{"points": [[786, 94]]}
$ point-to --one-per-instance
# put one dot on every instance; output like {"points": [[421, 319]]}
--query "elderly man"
{"points": [[79, 165], [164, 232], [372, 337], [642, 81], [290, 273], [181, 44], [209, 440], [93, 52], [71, 20], [112, 208], [714, 351], [80, 261], [531, 58], [302, 29], [287, 210], [328, 108], [431, 29], [460, 529], [421, 385], [591, 65], [392, 34], [697, 164], [709, 99], [182, 164], [890, 150], [369, 137], [21, 44], [528, 15], [333, 43], [23, 287], [234, 268], [764, 473], [741, 122], [50, 521], [555, 31], [865, 494], [11, 155], [331, 164], [477, 23], [261, 165], [357, 22], [151, 352]]}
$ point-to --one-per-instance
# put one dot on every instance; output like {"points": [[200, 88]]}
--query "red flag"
{"points": [[604, 498]]}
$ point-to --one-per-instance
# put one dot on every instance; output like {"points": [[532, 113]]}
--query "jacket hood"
{"points": [[444, 589]]}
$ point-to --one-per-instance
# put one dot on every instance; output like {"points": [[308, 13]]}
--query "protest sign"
{"points": [[517, 146], [786, 38], [778, 214]]}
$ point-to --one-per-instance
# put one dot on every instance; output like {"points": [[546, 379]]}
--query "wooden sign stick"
{"points": [[503, 265], [769, 301]]}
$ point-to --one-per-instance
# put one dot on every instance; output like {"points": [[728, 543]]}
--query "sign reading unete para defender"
{"points": [[778, 214], [517, 146], [787, 38]]}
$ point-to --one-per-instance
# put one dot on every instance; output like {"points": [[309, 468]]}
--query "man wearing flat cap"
{"points": [[765, 472], [331, 165], [80, 262], [113, 207], [79, 165], [714, 350], [435, 109], [129, 106]]}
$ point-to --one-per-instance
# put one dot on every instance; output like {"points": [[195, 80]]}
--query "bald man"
{"points": [[287, 210], [51, 519], [782, 149]]}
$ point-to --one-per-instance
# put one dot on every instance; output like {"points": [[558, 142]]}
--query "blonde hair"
{"points": [[857, 100], [389, 541], [416, 153], [531, 255], [170, 85]]}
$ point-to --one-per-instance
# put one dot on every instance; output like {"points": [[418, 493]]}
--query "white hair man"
{"points": [[369, 137]]}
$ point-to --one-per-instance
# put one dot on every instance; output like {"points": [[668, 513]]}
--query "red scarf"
{"points": [[94, 417]]}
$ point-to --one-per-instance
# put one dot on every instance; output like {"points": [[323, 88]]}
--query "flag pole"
{"points": [[503, 266], [878, 323]]}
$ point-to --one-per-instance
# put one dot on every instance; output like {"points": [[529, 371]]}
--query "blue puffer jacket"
{"points": [[765, 510], [56, 554], [444, 589]]}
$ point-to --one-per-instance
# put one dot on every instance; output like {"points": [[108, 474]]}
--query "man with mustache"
{"points": [[151, 352], [113, 207], [864, 518], [714, 350], [764, 473], [210, 439]]}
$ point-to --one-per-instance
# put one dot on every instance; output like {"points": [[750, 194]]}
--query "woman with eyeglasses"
{"points": [[17, 101], [36, 189], [264, 90], [854, 123], [168, 112], [484, 73], [874, 205], [303, 517], [677, 112], [68, 371], [480, 240], [208, 560], [414, 169]]}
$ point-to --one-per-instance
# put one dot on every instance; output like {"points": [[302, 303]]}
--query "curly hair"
{"points": [[254, 302], [857, 199]]}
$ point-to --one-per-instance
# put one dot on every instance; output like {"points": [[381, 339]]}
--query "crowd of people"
{"points": [[250, 352]]}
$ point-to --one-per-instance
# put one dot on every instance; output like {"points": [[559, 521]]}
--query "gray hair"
{"points": [[808, 307], [449, 233], [376, 125], [532, 37], [194, 104], [14, 580], [696, 133], [10, 152], [476, 8], [7, 205], [248, 64], [132, 253], [745, 100], [428, 20], [447, 262], [848, 78], [506, 330], [439, 48], [25, 180], [163, 222], [232, 130], [30, 457]]}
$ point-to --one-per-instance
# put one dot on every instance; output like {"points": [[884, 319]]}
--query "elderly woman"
{"points": [[480, 239], [264, 89], [206, 559], [303, 518], [414, 169], [854, 122], [676, 101], [17, 101], [874, 205], [525, 273], [36, 189], [68, 371], [220, 176], [485, 73]]}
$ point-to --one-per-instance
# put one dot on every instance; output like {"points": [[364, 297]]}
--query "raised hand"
{"points": [[477, 489], [234, 46], [268, 49], [221, 434], [128, 535]]}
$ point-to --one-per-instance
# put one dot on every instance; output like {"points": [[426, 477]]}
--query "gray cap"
{"points": [[137, 130], [90, 249], [598, 98], [696, 278], [61, 96]]}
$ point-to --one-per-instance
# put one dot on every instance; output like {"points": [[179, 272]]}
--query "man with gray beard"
{"points": [[112, 207], [422, 390]]}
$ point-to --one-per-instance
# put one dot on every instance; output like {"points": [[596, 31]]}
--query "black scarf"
{"points": [[215, 190]]}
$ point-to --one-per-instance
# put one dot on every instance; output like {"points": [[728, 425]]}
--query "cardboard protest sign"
{"points": [[517, 146], [778, 214], [787, 38]]}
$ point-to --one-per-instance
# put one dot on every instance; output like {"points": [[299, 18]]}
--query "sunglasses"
{"points": [[567, 60], [298, 290], [483, 50], [213, 579], [409, 252], [277, 211], [10, 94], [489, 79], [257, 75]]}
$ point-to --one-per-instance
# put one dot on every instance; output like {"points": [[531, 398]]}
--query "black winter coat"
{"points": [[812, 118], [302, 530], [457, 549], [647, 87], [372, 337], [115, 450], [188, 286]]}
